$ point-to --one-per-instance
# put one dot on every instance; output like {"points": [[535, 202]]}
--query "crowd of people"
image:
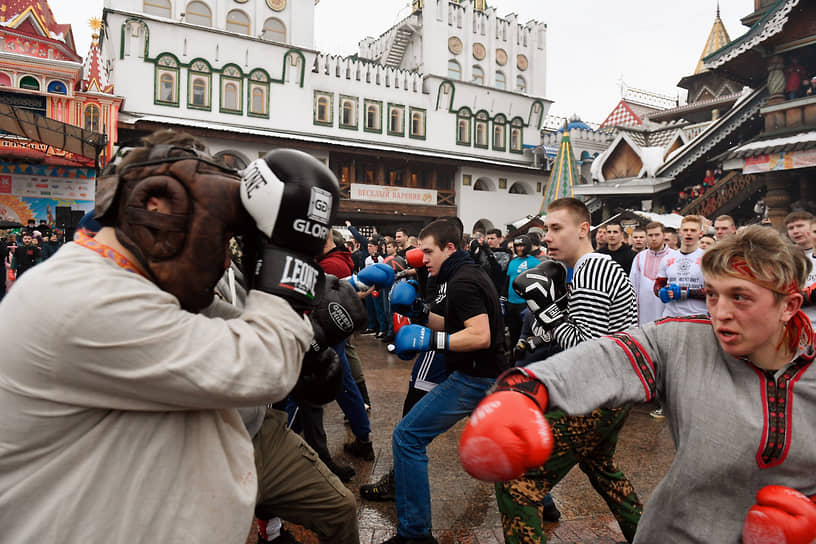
{"points": [[198, 337], [22, 248]]}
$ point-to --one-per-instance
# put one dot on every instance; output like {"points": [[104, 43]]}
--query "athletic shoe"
{"points": [[550, 513], [398, 539], [381, 490], [363, 450], [369, 331], [657, 414], [344, 472], [379, 335]]}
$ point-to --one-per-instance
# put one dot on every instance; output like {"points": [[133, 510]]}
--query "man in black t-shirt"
{"points": [[470, 332], [25, 256], [621, 253]]}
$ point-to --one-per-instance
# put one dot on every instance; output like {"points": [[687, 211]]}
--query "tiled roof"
{"points": [[94, 76], [622, 115], [17, 11], [564, 176], [717, 39]]}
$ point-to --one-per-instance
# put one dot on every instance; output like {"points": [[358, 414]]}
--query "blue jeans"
{"points": [[435, 413], [350, 399]]}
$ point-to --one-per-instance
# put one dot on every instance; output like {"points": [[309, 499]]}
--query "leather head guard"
{"points": [[523, 241], [184, 250]]}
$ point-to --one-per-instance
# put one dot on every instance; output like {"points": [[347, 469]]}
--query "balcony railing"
{"points": [[790, 115], [723, 196]]}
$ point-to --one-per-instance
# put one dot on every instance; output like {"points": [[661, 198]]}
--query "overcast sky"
{"points": [[592, 44]]}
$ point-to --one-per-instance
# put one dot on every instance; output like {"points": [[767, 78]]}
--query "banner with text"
{"points": [[34, 191], [395, 195]]}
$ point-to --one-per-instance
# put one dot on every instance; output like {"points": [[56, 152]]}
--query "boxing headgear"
{"points": [[184, 251], [523, 241]]}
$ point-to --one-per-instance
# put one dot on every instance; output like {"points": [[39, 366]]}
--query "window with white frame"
{"points": [[501, 81], [199, 81], [500, 132], [481, 130], [463, 118], [521, 85], [259, 93], [373, 116], [477, 75], [418, 117], [274, 30], [161, 8], [396, 120], [348, 112], [323, 108], [238, 21], [167, 71], [198, 13], [516, 142], [454, 70], [232, 84]]}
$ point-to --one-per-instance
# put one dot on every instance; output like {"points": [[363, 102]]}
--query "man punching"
{"points": [[470, 332], [600, 301], [122, 421]]}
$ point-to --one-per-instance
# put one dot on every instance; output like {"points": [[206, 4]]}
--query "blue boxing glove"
{"points": [[677, 293], [664, 294], [405, 300], [411, 339], [378, 275]]}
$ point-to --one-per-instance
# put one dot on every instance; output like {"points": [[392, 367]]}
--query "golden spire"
{"points": [[96, 24], [717, 39]]}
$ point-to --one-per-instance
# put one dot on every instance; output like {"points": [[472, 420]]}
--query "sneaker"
{"points": [[363, 450], [550, 513], [379, 335], [368, 331], [398, 539], [657, 414], [381, 490], [344, 472]]}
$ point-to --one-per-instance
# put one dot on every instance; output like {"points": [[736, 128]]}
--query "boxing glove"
{"points": [[399, 321], [781, 515], [415, 258], [411, 339], [292, 198], [663, 293], [397, 264], [405, 300], [321, 378], [507, 434], [379, 275], [337, 314], [544, 288], [528, 345], [677, 293]]}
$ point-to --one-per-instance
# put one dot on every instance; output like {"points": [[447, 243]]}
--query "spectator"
{"points": [[25, 256], [799, 226], [707, 241], [515, 304], [679, 282], [374, 303], [724, 226], [536, 235], [50, 246], [502, 254], [600, 237], [671, 238], [645, 269], [361, 253], [794, 73], [811, 88], [615, 248], [638, 239]]}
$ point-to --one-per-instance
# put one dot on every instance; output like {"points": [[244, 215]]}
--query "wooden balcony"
{"points": [[790, 115], [723, 196]]}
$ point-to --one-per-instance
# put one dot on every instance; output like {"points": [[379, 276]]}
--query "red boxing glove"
{"points": [[507, 433], [399, 321], [781, 516], [415, 257]]}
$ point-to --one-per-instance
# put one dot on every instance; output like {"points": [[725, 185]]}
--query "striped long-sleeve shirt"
{"points": [[601, 301]]}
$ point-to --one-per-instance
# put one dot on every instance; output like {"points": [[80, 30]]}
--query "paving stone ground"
{"points": [[464, 510]]}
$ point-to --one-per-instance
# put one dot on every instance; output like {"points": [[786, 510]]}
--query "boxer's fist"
{"points": [[415, 258], [528, 345], [663, 293], [399, 321], [411, 339], [405, 300], [293, 199], [321, 378], [545, 290], [781, 515], [507, 434], [380, 275], [337, 314]]}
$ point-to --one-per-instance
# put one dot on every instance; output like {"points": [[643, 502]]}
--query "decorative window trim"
{"points": [[401, 110], [481, 120], [32, 78], [199, 68], [464, 115], [499, 121], [53, 84], [263, 86], [502, 183], [355, 112], [231, 74], [467, 179], [166, 64], [85, 110], [329, 109], [424, 119], [378, 104], [517, 127], [248, 25]]}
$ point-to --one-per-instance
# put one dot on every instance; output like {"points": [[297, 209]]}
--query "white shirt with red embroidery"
{"points": [[645, 268], [683, 269]]}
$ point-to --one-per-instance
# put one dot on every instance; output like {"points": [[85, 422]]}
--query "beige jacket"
{"points": [[117, 408]]}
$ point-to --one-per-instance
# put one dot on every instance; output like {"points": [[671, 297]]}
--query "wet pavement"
{"points": [[464, 509]]}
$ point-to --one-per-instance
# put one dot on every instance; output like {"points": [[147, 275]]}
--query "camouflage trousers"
{"points": [[588, 441]]}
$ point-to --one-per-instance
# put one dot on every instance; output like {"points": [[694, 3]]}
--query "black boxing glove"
{"points": [[545, 290], [528, 345], [293, 199], [321, 378], [338, 313]]}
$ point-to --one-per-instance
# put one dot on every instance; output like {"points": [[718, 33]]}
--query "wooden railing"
{"points": [[723, 196]]}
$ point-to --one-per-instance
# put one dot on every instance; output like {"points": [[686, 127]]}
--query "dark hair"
{"points": [[535, 239], [639, 229], [402, 230], [799, 216], [577, 208], [497, 232], [615, 224], [655, 225], [444, 232]]}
